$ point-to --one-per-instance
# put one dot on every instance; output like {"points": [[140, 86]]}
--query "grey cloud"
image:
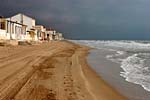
{"points": [[85, 19]]}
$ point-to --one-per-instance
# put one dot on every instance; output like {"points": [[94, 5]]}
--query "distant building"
{"points": [[50, 34], [40, 32], [59, 36]]}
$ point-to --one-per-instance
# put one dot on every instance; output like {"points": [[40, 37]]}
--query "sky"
{"points": [[87, 19]]}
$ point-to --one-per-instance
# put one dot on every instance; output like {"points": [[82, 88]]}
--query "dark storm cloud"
{"points": [[87, 19]]}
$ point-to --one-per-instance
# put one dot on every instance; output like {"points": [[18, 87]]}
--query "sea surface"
{"points": [[133, 58]]}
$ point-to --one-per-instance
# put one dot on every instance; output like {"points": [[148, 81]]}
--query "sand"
{"points": [[50, 71]]}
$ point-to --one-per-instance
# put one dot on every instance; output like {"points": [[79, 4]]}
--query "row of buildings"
{"points": [[22, 27]]}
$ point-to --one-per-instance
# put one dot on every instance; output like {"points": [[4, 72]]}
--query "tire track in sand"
{"points": [[13, 84]]}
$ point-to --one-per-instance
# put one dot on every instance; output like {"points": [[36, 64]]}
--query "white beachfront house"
{"points": [[50, 34], [11, 30], [31, 33], [40, 32], [59, 36]]}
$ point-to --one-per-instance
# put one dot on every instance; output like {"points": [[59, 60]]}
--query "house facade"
{"points": [[50, 34], [59, 36], [11, 29], [31, 33], [40, 32]]}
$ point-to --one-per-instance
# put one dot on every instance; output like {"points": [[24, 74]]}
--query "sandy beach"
{"points": [[51, 71]]}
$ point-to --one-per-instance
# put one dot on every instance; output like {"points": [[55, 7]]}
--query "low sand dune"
{"points": [[50, 71]]}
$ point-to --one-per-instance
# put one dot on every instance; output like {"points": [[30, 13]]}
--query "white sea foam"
{"points": [[135, 71], [115, 57], [136, 66]]}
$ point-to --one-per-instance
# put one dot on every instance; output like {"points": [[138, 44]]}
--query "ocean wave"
{"points": [[135, 71], [119, 45], [115, 57]]}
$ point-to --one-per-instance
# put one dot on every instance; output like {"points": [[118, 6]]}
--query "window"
{"points": [[2, 25]]}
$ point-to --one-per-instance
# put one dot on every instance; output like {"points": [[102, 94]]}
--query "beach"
{"points": [[51, 71]]}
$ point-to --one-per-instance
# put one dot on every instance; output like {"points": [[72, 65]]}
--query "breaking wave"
{"points": [[136, 70]]}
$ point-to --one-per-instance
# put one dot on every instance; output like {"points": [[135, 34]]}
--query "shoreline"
{"points": [[100, 88], [61, 72]]}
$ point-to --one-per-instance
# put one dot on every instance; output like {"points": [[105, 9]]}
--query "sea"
{"points": [[133, 58]]}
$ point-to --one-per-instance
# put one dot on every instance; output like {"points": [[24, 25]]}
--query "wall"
{"points": [[25, 20], [50, 34], [29, 22], [15, 30], [3, 34], [21, 18]]}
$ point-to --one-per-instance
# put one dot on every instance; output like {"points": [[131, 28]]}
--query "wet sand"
{"points": [[51, 71], [110, 72]]}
